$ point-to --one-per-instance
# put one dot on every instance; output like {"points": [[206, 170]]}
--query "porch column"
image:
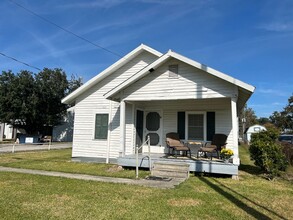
{"points": [[122, 127], [234, 129]]}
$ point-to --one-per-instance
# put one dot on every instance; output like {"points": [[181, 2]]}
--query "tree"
{"points": [[31, 101], [51, 86], [284, 119], [278, 119], [288, 110], [73, 84], [247, 118], [263, 120], [249, 115], [17, 98]]}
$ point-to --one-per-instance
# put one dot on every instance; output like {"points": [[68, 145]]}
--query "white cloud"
{"points": [[277, 26], [277, 16], [278, 104], [275, 92]]}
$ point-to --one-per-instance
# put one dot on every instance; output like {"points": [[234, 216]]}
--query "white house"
{"points": [[7, 131], [150, 93], [251, 130], [64, 131], [1, 131]]}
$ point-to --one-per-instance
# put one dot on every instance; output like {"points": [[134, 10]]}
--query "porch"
{"points": [[194, 120], [203, 165]]}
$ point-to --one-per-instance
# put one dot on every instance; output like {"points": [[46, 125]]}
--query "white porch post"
{"points": [[122, 127], [109, 133], [234, 129]]}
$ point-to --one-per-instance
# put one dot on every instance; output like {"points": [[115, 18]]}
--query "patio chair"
{"points": [[217, 144], [175, 145]]}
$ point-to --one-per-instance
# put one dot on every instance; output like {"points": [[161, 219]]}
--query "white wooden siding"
{"points": [[92, 102], [191, 83]]}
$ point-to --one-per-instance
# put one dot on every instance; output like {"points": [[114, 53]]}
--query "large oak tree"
{"points": [[32, 101]]}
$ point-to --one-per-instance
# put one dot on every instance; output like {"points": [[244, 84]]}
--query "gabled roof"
{"points": [[163, 59], [127, 58]]}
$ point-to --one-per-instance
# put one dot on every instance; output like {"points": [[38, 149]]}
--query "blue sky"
{"points": [[251, 40]]}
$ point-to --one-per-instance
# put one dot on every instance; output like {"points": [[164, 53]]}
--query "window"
{"points": [[101, 126], [173, 71], [195, 126]]}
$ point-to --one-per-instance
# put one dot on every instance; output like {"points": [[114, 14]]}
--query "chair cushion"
{"points": [[174, 143], [208, 149]]}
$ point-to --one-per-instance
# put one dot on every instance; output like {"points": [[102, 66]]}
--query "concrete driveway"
{"points": [[8, 148]]}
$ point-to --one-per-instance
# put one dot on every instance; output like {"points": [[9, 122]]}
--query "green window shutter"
{"points": [[181, 124], [101, 126], [211, 125]]}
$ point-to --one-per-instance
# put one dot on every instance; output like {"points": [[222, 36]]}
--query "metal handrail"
{"points": [[149, 154]]}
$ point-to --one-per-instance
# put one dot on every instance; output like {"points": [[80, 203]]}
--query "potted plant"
{"points": [[226, 154]]}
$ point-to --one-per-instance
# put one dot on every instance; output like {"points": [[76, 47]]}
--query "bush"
{"points": [[267, 153], [287, 149]]}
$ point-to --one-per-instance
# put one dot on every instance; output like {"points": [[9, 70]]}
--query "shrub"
{"points": [[267, 153], [287, 149]]}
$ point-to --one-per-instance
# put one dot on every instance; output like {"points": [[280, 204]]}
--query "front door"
{"points": [[153, 128]]}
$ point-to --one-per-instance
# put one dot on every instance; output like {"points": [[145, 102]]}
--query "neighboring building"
{"points": [[1, 131], [7, 131], [251, 130], [64, 131], [150, 93], [10, 132]]}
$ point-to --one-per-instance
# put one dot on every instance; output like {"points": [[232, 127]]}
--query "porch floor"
{"points": [[202, 165]]}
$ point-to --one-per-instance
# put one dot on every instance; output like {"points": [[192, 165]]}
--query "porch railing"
{"points": [[149, 154]]}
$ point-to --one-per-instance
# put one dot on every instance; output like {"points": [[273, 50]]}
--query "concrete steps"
{"points": [[170, 170]]}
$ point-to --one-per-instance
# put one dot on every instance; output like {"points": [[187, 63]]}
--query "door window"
{"points": [[154, 138], [153, 121]]}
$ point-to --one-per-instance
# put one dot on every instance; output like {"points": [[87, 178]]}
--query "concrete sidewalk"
{"points": [[8, 148], [142, 182]]}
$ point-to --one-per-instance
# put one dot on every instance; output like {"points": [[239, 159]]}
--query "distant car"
{"points": [[286, 138]]}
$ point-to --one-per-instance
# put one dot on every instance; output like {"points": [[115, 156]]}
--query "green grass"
{"points": [[60, 160], [24, 196]]}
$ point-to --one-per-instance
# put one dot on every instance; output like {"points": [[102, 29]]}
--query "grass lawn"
{"points": [[25, 196], [60, 160]]}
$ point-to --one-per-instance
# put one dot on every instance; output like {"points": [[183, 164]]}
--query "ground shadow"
{"points": [[254, 170], [229, 195]]}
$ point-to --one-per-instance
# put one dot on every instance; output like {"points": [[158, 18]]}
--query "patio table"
{"points": [[195, 145]]}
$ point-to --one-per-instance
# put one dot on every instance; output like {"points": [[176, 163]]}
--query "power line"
{"points": [[16, 60], [64, 29]]}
